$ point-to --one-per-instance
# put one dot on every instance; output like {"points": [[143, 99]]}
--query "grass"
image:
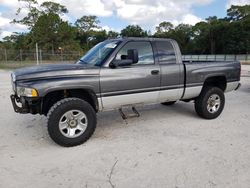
{"points": [[15, 65], [10, 65]]}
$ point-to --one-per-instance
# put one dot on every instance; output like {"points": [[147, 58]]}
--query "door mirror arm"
{"points": [[131, 58], [120, 63]]}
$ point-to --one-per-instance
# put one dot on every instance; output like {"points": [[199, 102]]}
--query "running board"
{"points": [[129, 115]]}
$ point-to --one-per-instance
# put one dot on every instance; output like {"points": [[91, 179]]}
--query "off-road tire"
{"points": [[56, 112], [201, 102]]}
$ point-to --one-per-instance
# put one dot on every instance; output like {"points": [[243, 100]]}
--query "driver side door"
{"points": [[131, 85]]}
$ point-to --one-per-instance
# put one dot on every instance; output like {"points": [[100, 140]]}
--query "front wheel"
{"points": [[71, 122], [210, 103]]}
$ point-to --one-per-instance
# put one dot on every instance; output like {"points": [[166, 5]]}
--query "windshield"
{"points": [[99, 53]]}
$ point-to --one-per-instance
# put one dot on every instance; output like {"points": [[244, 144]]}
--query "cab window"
{"points": [[165, 52]]}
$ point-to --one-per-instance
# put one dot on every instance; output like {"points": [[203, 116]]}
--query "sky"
{"points": [[117, 14]]}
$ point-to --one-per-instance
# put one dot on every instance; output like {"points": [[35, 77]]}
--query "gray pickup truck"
{"points": [[117, 74]]}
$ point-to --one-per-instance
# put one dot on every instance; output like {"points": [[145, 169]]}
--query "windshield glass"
{"points": [[99, 53]]}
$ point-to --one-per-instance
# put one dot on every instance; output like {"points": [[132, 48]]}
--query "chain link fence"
{"points": [[11, 59], [22, 58], [222, 57]]}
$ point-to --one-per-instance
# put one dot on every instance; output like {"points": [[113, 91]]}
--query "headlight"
{"points": [[27, 92], [13, 77], [13, 80]]}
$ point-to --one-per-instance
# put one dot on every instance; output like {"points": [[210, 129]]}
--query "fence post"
{"points": [[61, 55], [6, 58], [37, 58], [21, 56], [40, 54]]}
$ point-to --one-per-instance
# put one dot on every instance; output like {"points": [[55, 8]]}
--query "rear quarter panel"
{"points": [[198, 72]]}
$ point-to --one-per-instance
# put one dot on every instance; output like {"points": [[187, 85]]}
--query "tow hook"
{"points": [[14, 100]]}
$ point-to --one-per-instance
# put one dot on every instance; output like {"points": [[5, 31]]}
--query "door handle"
{"points": [[155, 72]]}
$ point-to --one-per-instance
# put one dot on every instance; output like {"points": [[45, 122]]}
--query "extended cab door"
{"points": [[135, 84], [172, 70]]}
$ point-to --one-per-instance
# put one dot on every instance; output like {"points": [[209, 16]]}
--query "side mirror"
{"points": [[126, 60], [133, 55]]}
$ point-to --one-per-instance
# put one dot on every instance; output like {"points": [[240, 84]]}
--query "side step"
{"points": [[129, 115]]}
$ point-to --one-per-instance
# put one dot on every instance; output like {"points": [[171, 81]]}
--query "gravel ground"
{"points": [[165, 147]]}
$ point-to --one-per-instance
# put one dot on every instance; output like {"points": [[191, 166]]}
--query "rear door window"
{"points": [[165, 52]]}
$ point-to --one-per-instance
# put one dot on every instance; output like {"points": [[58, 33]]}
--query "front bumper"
{"points": [[23, 109], [24, 105]]}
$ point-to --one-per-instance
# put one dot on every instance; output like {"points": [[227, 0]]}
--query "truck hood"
{"points": [[54, 70]]}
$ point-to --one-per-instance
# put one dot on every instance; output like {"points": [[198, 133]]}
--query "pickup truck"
{"points": [[119, 73]]}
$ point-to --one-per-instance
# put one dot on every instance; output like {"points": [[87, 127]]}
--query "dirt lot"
{"points": [[165, 147]]}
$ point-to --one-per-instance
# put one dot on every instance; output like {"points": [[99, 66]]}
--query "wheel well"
{"points": [[217, 81], [51, 98]]}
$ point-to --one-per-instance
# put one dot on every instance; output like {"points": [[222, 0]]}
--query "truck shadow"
{"points": [[110, 123], [245, 88], [149, 112]]}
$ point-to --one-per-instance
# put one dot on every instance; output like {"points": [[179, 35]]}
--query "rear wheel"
{"points": [[71, 122], [210, 103], [168, 103]]}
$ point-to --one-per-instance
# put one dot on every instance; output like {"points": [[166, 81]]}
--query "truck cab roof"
{"points": [[141, 39]]}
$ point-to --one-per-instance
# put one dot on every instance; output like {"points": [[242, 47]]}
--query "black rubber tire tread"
{"points": [[168, 103], [58, 109], [201, 102]]}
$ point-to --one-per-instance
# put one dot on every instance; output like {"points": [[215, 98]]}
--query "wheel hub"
{"points": [[73, 123], [213, 103]]}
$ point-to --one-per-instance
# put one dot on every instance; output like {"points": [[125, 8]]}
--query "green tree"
{"points": [[50, 32], [238, 32], [133, 31], [212, 28], [201, 41], [35, 11], [87, 23], [183, 34], [32, 15], [236, 13], [208, 38], [96, 37], [112, 34], [51, 7], [87, 27], [164, 27]]}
